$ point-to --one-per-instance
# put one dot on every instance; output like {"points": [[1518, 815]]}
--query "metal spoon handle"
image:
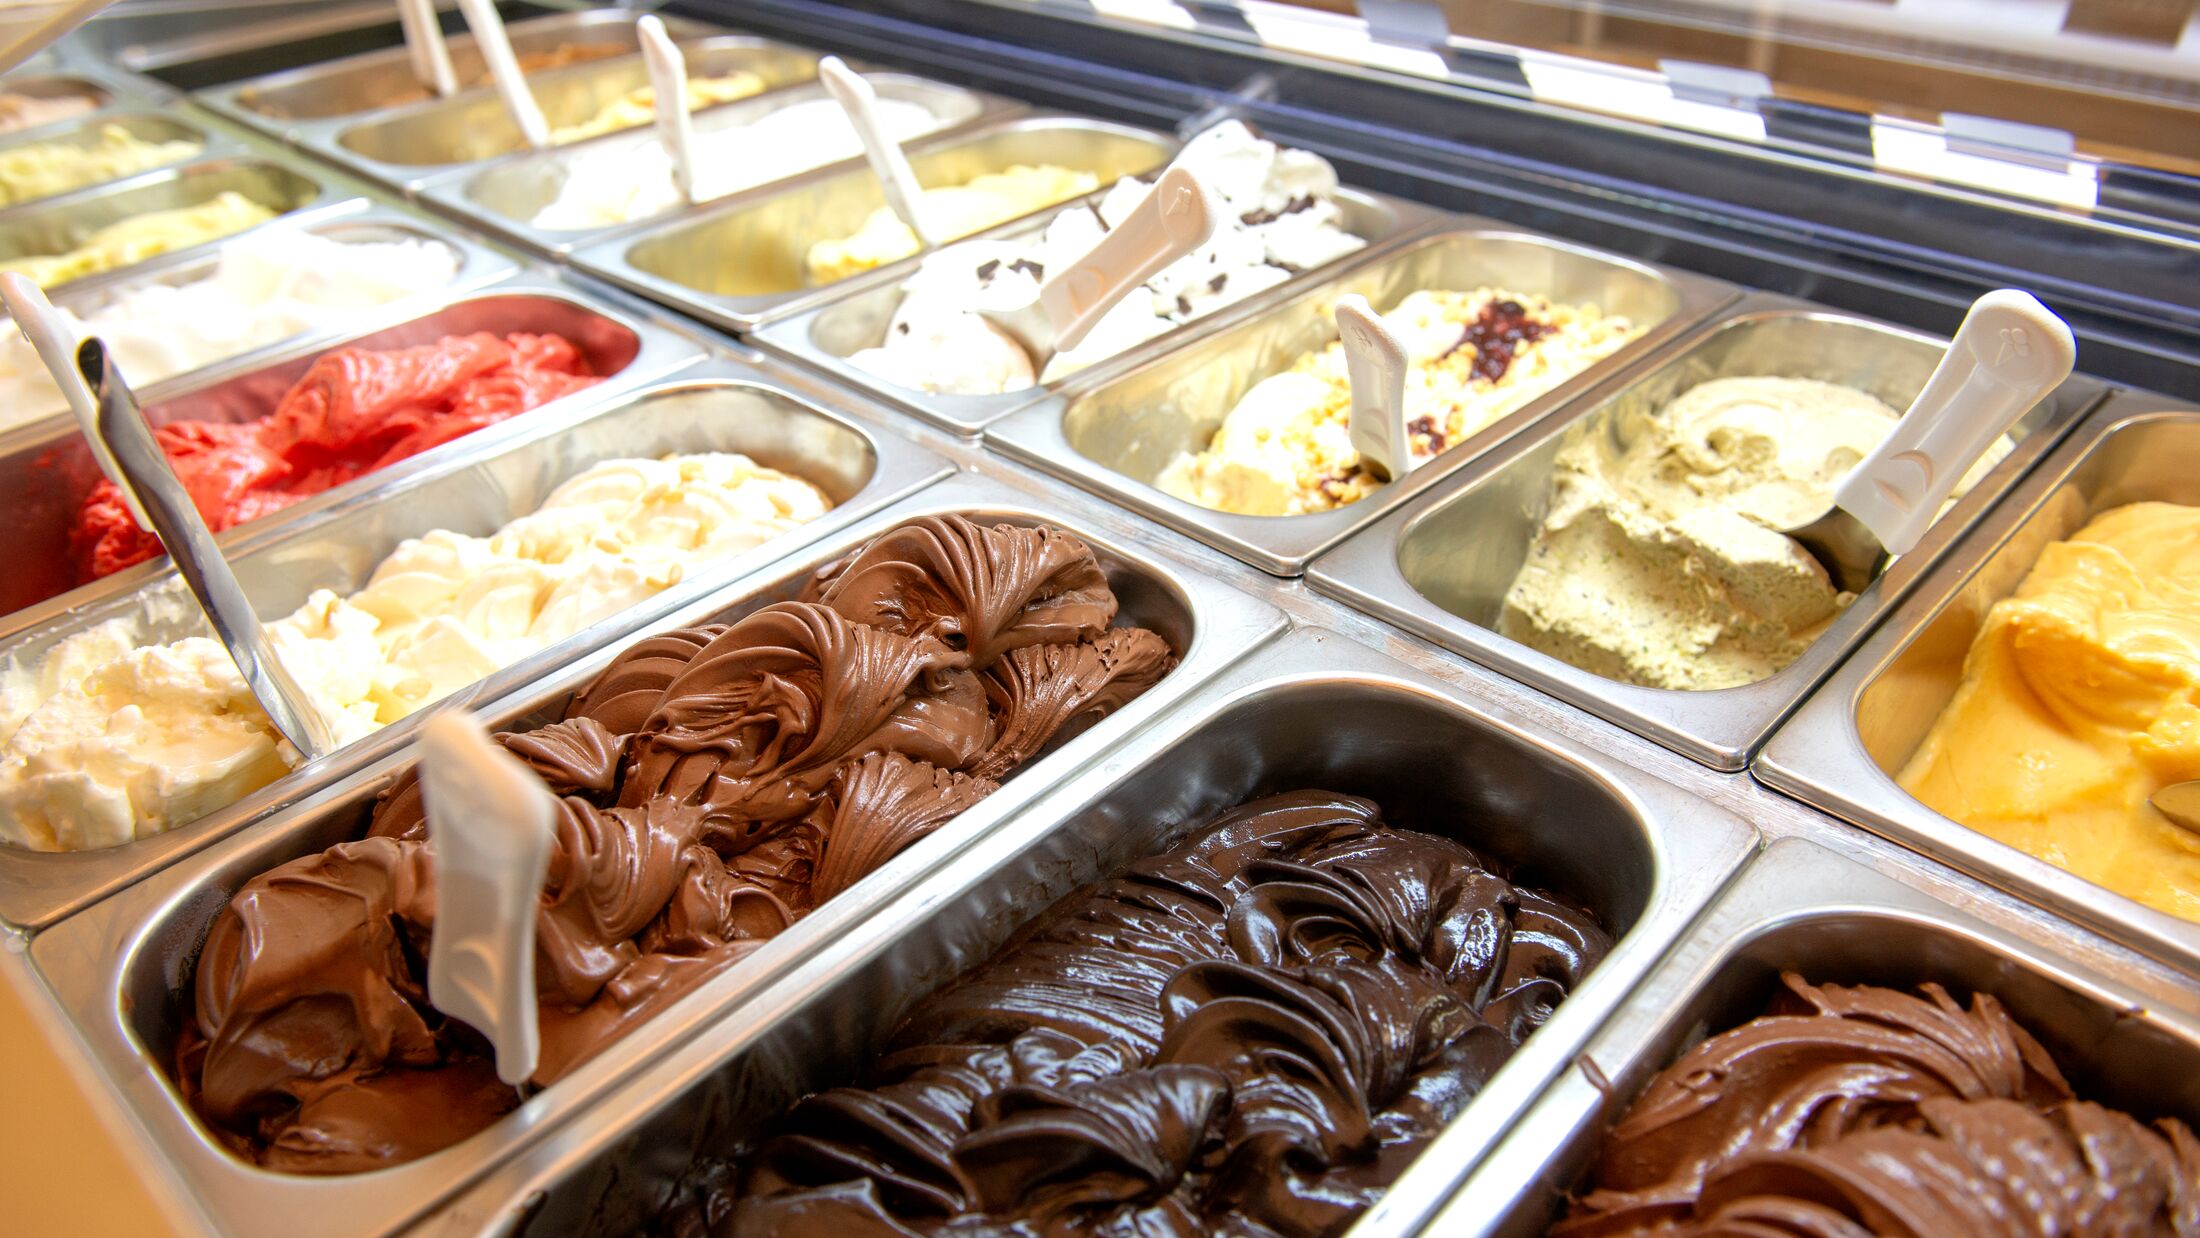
{"points": [[145, 473]]}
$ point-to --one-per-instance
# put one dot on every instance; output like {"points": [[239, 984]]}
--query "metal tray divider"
{"points": [[1720, 728], [1791, 887], [1283, 545], [1819, 756]]}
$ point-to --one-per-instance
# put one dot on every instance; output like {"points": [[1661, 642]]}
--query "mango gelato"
{"points": [[145, 236], [43, 169], [952, 212], [639, 106], [1285, 449], [2079, 699]]}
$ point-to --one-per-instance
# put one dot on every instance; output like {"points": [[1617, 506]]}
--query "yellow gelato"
{"points": [[952, 211], [2080, 698], [1286, 449], [639, 106], [144, 236], [43, 169]]}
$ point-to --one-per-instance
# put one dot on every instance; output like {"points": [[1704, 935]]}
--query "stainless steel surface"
{"points": [[742, 261], [116, 967], [60, 223], [1440, 567], [1842, 750], [1117, 438], [285, 103], [504, 197], [1643, 855], [1801, 908], [719, 406], [86, 131], [46, 470], [824, 338]]}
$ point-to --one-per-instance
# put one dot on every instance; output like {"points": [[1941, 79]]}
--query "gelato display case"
{"points": [[1349, 744]]}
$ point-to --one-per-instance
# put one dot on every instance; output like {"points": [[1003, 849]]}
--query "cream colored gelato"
{"points": [[1658, 561], [951, 211], [144, 236], [1285, 448], [107, 741], [639, 106], [43, 169]]}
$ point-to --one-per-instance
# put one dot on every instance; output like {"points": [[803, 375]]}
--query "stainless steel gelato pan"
{"points": [[505, 197], [1804, 909], [46, 470], [719, 406], [742, 262], [1845, 747], [824, 338], [115, 968], [1640, 853], [88, 132], [1118, 436], [1441, 567]]}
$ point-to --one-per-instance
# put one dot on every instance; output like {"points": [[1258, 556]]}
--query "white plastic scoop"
{"points": [[131, 457], [511, 84], [668, 81], [57, 25], [490, 831], [1177, 217], [425, 48], [857, 98], [1375, 362], [2008, 354]]}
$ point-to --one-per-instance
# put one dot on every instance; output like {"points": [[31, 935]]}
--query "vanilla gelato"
{"points": [[1285, 448], [1659, 561], [107, 741], [1281, 217], [950, 211], [43, 169], [639, 106], [133, 240]]}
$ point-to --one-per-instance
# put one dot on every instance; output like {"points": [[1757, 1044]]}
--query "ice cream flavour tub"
{"points": [[1844, 748], [46, 471], [1802, 908], [86, 131], [504, 197], [1642, 854], [116, 968], [54, 225], [719, 406], [824, 338], [109, 89], [315, 99], [1440, 566], [742, 262], [1117, 437]]}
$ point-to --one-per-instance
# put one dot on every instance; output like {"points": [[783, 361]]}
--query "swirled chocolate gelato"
{"points": [[1852, 1111], [715, 784], [1254, 1034]]}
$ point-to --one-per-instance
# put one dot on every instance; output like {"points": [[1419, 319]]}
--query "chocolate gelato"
{"points": [[1870, 1111], [1254, 1033], [716, 784]]}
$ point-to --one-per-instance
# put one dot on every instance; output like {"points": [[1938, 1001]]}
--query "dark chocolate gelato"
{"points": [[715, 785], [1852, 1111], [1253, 1033]]}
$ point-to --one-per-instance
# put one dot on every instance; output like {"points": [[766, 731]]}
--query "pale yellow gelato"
{"points": [[144, 236], [1659, 562], [639, 106], [1285, 448], [952, 212], [43, 169], [106, 741], [2080, 698]]}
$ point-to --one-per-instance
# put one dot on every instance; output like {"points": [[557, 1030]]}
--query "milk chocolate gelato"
{"points": [[1871, 1111], [715, 784], [1253, 1033]]}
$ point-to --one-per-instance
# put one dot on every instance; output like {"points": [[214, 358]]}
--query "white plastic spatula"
{"points": [[57, 26], [490, 830], [2008, 354], [511, 84], [1375, 362], [668, 81], [888, 163], [425, 48], [1177, 217]]}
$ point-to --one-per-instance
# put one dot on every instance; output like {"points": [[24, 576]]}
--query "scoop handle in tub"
{"points": [[425, 48], [1178, 217], [668, 82], [54, 340], [860, 101], [1375, 362], [504, 70]]}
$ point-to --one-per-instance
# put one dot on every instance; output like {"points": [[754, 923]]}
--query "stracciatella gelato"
{"points": [[1285, 448], [107, 741], [265, 288], [2080, 698], [1659, 559], [950, 211], [639, 106], [43, 169], [1281, 217], [144, 236]]}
